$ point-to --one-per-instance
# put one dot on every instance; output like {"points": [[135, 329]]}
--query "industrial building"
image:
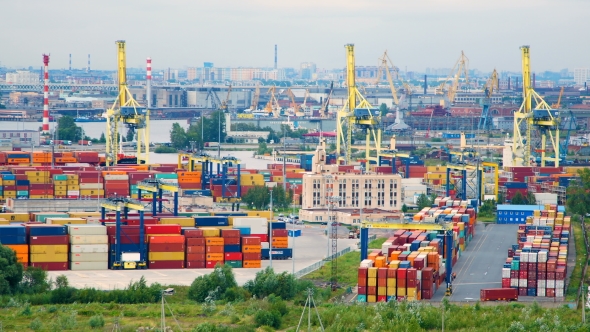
{"points": [[20, 137], [517, 214]]}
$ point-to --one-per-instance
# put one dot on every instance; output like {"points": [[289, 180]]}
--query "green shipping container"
{"points": [[295, 181], [22, 193], [234, 264], [42, 216], [133, 187], [169, 176], [60, 177]]}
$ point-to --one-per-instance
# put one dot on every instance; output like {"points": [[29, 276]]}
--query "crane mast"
{"points": [[385, 62], [126, 111]]}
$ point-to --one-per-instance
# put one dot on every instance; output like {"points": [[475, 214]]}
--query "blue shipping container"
{"points": [[12, 230], [232, 248], [278, 225], [211, 221], [13, 239], [244, 230], [47, 230], [294, 232], [283, 253]]}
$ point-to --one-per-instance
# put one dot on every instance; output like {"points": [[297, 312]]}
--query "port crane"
{"points": [[225, 102], [529, 117], [256, 98], [385, 67], [126, 111], [272, 107], [558, 104], [356, 112], [460, 68], [489, 88], [324, 110]]}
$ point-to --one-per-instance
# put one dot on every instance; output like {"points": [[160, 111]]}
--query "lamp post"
{"points": [[293, 223]]}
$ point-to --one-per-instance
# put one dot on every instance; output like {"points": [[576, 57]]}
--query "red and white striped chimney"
{"points": [[45, 130], [148, 85]]}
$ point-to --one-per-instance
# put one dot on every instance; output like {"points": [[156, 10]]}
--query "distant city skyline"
{"points": [[233, 33]]}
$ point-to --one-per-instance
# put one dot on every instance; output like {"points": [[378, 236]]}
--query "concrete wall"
{"points": [[39, 205]]}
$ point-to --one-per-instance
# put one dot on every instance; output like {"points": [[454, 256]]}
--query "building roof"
{"points": [[507, 207], [324, 134]]}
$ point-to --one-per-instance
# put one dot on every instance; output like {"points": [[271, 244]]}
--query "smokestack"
{"points": [[45, 130], [534, 80], [425, 84], [276, 62], [508, 82], [148, 85], [70, 61], [88, 67]]}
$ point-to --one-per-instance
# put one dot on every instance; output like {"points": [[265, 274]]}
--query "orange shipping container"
{"points": [[167, 239], [251, 248], [215, 256], [252, 264], [19, 248]]}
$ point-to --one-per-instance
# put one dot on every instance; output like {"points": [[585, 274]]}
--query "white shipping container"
{"points": [[522, 282], [88, 266], [89, 239], [559, 284], [541, 291], [513, 282], [91, 186], [505, 272], [93, 221], [550, 283], [89, 257], [533, 257], [84, 248], [558, 292], [116, 177], [66, 221], [73, 192], [367, 263], [86, 230], [542, 283]]}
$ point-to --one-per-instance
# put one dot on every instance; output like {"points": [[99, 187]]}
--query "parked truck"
{"points": [[282, 253], [498, 294], [211, 144], [84, 142]]}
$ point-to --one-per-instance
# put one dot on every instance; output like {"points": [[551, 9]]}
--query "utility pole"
{"points": [[219, 134], [284, 160], [270, 240]]}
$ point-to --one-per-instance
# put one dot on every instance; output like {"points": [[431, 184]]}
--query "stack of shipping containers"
{"points": [[165, 246], [91, 184], [232, 248], [251, 252], [195, 248], [15, 238], [48, 246], [537, 265], [213, 246], [89, 248]]}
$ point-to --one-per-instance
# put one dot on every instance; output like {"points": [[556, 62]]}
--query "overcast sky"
{"points": [[232, 33]]}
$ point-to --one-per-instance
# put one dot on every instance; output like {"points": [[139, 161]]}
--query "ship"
{"points": [[434, 111], [89, 119]]}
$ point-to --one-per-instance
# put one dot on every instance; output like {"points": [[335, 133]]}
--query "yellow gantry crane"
{"points": [[385, 66], [356, 112], [254, 105], [225, 102], [558, 104], [529, 117], [460, 68], [489, 88], [272, 107], [126, 111]]}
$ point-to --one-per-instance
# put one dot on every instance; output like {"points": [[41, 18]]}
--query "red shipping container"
{"points": [[428, 273], [225, 233], [193, 233], [402, 273], [51, 266], [195, 241], [214, 249], [195, 249], [280, 232], [382, 273], [263, 237], [125, 230], [412, 274], [426, 294], [500, 294], [382, 298], [166, 239], [231, 240], [252, 256], [166, 264], [401, 283], [391, 273], [135, 222], [195, 264], [196, 257], [362, 281], [49, 239], [362, 290], [411, 283], [233, 256], [371, 290], [505, 282], [166, 247], [381, 282], [162, 229], [250, 240], [128, 239], [426, 284], [211, 264]]}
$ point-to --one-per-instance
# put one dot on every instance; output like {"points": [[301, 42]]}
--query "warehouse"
{"points": [[517, 214]]}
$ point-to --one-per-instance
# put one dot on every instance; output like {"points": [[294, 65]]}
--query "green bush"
{"points": [[213, 285], [165, 149], [12, 271], [268, 318], [236, 294], [36, 324], [96, 321]]}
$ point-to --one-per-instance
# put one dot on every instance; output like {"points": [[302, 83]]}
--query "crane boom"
{"points": [[385, 62]]}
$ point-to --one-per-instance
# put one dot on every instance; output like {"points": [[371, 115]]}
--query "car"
{"points": [[324, 223]]}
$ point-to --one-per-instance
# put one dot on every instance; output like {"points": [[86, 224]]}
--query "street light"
{"points": [[270, 240], [294, 187], [165, 292]]}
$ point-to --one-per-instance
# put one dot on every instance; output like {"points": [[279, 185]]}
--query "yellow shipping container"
{"points": [[60, 192], [39, 180], [9, 182], [89, 192], [401, 291], [72, 176], [433, 176], [372, 298], [41, 196], [4, 222], [83, 214], [166, 256], [381, 290], [262, 214], [66, 221], [436, 169], [391, 282], [52, 249], [46, 258], [37, 173], [184, 222], [411, 291], [12, 217], [60, 183], [373, 272], [211, 232], [372, 282], [73, 187], [391, 291], [72, 182]]}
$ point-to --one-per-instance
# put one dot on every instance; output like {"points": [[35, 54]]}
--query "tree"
{"points": [[11, 271], [487, 208], [213, 285], [130, 134], [178, 136], [578, 194], [531, 199], [518, 199], [383, 109], [404, 208], [68, 130], [102, 138], [34, 281], [257, 197], [423, 201]]}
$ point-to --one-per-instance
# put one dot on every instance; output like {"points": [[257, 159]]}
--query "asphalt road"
{"points": [[480, 265], [309, 249]]}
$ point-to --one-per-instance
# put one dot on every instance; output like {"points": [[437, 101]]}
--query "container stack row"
{"points": [[166, 246], [89, 249], [48, 246], [385, 284], [537, 265]]}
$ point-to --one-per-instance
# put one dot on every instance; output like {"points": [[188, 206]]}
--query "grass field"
{"points": [[347, 270], [581, 259]]}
